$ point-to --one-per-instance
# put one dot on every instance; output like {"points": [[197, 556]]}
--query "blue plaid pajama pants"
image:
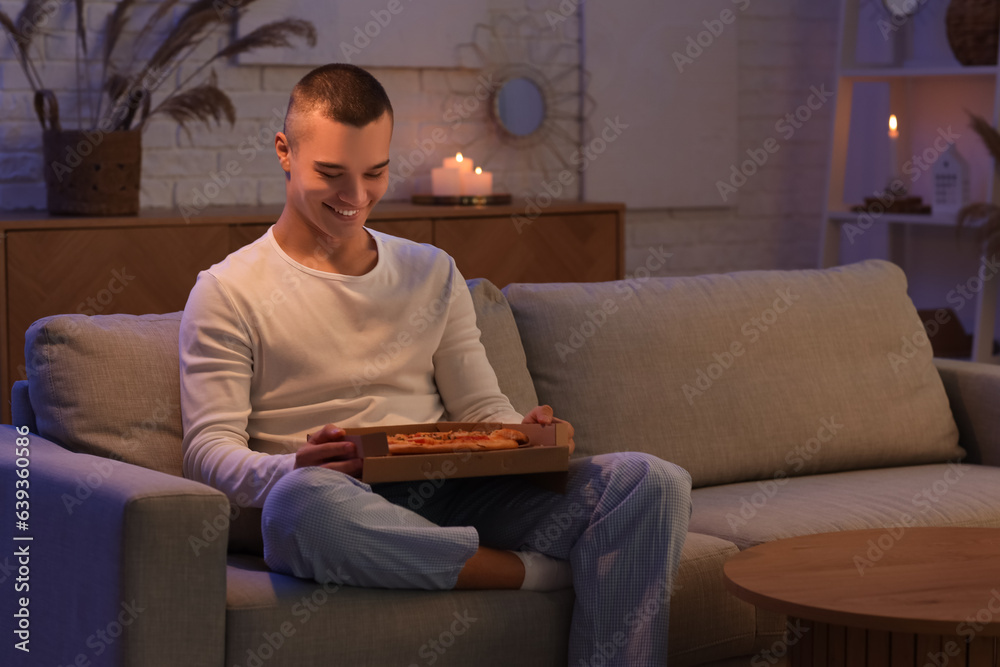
{"points": [[621, 524]]}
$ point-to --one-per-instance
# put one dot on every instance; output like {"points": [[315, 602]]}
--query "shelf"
{"points": [[942, 220], [911, 72], [881, 73]]}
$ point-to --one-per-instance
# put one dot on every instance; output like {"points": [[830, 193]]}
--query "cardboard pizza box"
{"points": [[545, 459]]}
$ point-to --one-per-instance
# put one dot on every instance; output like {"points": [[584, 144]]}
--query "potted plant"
{"points": [[95, 168], [985, 214]]}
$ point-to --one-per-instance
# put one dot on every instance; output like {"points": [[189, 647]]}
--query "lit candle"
{"points": [[477, 183], [446, 182], [459, 162], [893, 148]]}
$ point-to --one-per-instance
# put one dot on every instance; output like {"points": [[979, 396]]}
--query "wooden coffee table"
{"points": [[901, 596]]}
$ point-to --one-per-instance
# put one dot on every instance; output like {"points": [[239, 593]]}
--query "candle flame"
{"points": [[458, 157], [479, 170], [892, 122]]}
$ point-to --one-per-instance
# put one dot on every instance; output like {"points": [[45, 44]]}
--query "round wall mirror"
{"points": [[901, 9], [520, 106]]}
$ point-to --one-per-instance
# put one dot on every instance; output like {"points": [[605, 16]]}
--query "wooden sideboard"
{"points": [[149, 263]]}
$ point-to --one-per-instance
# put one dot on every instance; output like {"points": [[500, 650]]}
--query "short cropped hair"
{"points": [[340, 92]]}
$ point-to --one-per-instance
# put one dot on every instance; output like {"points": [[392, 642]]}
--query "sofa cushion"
{"points": [[710, 622], [108, 385], [389, 627], [741, 376], [944, 494], [503, 344]]}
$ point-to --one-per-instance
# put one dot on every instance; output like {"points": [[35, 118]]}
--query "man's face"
{"points": [[336, 173]]}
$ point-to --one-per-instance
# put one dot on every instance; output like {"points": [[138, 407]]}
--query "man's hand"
{"points": [[543, 415], [327, 448]]}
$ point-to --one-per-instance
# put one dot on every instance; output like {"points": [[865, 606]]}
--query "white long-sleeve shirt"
{"points": [[271, 350]]}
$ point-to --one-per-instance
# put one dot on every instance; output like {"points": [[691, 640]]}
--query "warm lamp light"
{"points": [[893, 131]]}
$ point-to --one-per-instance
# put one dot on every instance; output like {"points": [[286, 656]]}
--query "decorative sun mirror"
{"points": [[519, 106], [534, 104]]}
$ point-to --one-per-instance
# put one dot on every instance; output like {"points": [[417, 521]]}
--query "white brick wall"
{"points": [[785, 47]]}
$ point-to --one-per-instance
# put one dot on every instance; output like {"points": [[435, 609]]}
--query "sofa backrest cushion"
{"points": [[108, 385], [503, 344], [744, 376]]}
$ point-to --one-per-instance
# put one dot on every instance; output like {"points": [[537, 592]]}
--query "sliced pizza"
{"points": [[436, 442]]}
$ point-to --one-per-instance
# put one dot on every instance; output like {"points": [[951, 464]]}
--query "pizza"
{"points": [[437, 442]]}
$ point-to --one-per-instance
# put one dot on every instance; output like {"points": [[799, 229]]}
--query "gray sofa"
{"points": [[800, 402]]}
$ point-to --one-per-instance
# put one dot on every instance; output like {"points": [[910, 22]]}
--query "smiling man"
{"points": [[272, 342]]}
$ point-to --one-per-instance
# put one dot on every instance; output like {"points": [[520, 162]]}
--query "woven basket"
{"points": [[972, 30], [92, 172]]}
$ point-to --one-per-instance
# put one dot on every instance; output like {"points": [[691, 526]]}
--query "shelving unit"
{"points": [[912, 73]]}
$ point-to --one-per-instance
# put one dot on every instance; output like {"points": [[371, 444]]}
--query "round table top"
{"points": [[920, 580]]}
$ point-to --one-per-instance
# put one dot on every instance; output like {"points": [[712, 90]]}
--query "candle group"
{"points": [[457, 177]]}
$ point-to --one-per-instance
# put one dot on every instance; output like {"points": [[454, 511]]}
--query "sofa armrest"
{"points": [[119, 570], [974, 393], [21, 411]]}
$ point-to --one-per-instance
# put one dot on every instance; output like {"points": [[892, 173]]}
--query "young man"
{"points": [[274, 343]]}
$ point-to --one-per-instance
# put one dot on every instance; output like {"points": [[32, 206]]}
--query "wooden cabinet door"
{"points": [[552, 248], [102, 271]]}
